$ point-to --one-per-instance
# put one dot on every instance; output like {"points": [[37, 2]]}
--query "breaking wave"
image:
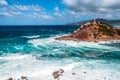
{"points": [[39, 55]]}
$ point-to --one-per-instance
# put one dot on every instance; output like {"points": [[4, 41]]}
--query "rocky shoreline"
{"points": [[93, 32], [57, 75]]}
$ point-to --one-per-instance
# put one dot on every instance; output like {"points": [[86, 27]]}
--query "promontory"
{"points": [[93, 32]]}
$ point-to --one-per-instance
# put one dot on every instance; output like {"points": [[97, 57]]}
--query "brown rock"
{"points": [[58, 73]]}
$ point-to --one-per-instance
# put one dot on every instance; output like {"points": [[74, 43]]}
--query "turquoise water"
{"points": [[32, 51]]}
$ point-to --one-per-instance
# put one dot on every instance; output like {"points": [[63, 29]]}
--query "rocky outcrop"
{"points": [[93, 31]]}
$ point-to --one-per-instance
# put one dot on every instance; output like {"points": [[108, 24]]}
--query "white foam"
{"points": [[13, 56], [42, 70], [27, 65], [43, 42], [88, 44], [51, 42], [36, 36], [109, 42], [37, 42]]}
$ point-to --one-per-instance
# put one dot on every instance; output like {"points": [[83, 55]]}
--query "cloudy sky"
{"points": [[52, 12]]}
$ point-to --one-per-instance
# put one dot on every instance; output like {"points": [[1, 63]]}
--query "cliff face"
{"points": [[93, 31]]}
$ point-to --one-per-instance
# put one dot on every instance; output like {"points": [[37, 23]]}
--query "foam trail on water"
{"points": [[51, 41], [36, 36], [11, 57], [109, 42]]}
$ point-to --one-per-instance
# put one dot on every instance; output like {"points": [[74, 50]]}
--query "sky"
{"points": [[56, 12]]}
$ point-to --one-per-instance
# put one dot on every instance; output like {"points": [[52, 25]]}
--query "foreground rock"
{"points": [[57, 74], [22, 78], [93, 32]]}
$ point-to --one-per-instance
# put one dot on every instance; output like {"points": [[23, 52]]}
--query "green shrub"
{"points": [[106, 31], [118, 31], [95, 35]]}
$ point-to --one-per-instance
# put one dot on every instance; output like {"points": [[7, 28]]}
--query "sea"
{"points": [[33, 52]]}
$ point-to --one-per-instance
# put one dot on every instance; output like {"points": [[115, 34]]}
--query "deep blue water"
{"points": [[26, 49]]}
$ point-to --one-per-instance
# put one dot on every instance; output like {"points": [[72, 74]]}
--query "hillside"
{"points": [[93, 31]]}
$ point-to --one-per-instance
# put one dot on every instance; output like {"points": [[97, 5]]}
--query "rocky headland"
{"points": [[93, 32]]}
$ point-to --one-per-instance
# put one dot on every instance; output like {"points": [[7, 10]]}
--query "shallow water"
{"points": [[32, 51]]}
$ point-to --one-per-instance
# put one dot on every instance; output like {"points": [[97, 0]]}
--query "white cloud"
{"points": [[36, 8], [16, 13], [56, 9], [10, 13], [5, 14], [92, 5], [57, 14], [22, 8], [28, 7], [92, 8], [70, 2], [72, 12], [109, 16], [41, 16], [3, 2], [46, 16], [33, 11]]}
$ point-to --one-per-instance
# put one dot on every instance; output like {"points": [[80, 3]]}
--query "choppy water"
{"points": [[32, 51]]}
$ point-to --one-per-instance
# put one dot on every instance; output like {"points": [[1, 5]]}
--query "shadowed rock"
{"points": [[10, 79], [73, 73], [93, 32], [24, 78]]}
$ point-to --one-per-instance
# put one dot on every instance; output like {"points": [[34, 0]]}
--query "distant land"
{"points": [[98, 19]]}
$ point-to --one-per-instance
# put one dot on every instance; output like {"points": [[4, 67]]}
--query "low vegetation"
{"points": [[106, 31], [118, 31]]}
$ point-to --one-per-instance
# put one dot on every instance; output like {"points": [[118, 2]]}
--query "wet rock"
{"points": [[10, 78], [61, 71], [84, 72], [24, 78], [73, 73], [58, 73]]}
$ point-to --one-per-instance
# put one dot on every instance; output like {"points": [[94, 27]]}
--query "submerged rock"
{"points": [[93, 32]]}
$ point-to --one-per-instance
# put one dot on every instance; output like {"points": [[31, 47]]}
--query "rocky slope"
{"points": [[93, 31]]}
